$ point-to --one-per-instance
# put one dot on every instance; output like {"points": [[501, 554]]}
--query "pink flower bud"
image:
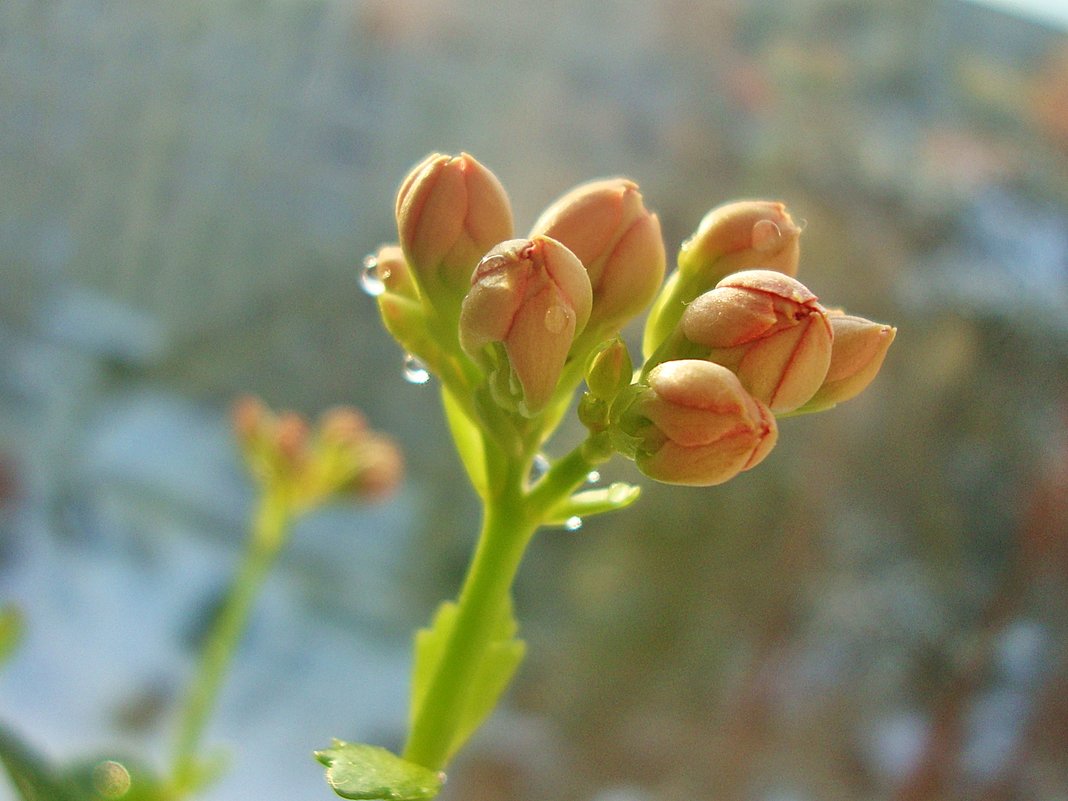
{"points": [[770, 330], [450, 211], [745, 235], [856, 356], [533, 297], [380, 471], [695, 424], [393, 271], [617, 239]]}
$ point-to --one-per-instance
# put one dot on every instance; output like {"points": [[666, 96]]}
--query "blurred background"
{"points": [[879, 612]]}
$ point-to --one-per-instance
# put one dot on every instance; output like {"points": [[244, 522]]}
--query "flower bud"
{"points": [[610, 370], [606, 225], [393, 272], [744, 235], [531, 297], [770, 330], [856, 355], [695, 424], [450, 211], [381, 469]]}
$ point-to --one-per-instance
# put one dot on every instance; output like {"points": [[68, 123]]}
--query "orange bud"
{"points": [[342, 425], [695, 424], [249, 416], [533, 297], [450, 211], [393, 272], [744, 235], [381, 469], [856, 356], [770, 330], [618, 241]]}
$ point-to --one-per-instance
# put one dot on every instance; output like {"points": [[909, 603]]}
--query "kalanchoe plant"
{"points": [[511, 327]]}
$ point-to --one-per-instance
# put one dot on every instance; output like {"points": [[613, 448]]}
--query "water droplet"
{"points": [[556, 318], [766, 236], [369, 279], [539, 467], [573, 523], [415, 371], [593, 476], [111, 779]]}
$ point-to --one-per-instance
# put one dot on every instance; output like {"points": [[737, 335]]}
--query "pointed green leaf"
{"points": [[499, 664], [33, 778], [370, 773], [429, 646], [593, 502], [468, 439]]}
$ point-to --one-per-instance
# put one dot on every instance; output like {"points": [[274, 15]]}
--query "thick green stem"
{"points": [[506, 531], [267, 537]]}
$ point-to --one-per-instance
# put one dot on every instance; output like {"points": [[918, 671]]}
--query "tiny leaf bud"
{"points": [[770, 330], [450, 211], [531, 296], [610, 370], [606, 225], [856, 355], [693, 423]]}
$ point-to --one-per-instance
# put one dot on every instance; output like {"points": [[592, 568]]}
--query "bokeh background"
{"points": [[880, 611]]}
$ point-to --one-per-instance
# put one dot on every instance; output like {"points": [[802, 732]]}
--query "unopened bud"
{"points": [[695, 424], [249, 416], [450, 211], [342, 425], [610, 370], [606, 225], [291, 434], [532, 297], [392, 270], [770, 330], [380, 471], [856, 355], [743, 235]]}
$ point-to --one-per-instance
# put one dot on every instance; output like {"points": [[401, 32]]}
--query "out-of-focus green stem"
{"points": [[268, 534]]}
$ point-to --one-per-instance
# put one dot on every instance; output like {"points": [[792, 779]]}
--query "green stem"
{"points": [[506, 531], [267, 536]]}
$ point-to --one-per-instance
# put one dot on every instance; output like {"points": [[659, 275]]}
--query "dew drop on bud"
{"points": [[369, 280], [766, 236], [415, 371], [539, 467], [556, 319], [573, 523], [593, 476]]}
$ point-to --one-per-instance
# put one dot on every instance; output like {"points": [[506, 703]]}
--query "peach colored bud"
{"points": [[770, 330], [381, 469], [291, 440], [695, 424], [450, 211], [856, 356], [533, 297], [393, 271], [744, 235], [342, 425], [617, 239], [249, 416]]}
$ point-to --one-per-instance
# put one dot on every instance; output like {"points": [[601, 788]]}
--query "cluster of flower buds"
{"points": [[732, 339], [340, 456], [520, 310]]}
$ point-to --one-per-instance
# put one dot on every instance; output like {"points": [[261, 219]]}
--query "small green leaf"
{"points": [[11, 626], [468, 441], [593, 502], [33, 778], [429, 646], [499, 664], [367, 772]]}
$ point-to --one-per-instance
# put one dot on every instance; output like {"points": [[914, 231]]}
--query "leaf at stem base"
{"points": [[371, 773]]}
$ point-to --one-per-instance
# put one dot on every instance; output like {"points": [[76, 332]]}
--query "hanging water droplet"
{"points": [[556, 318], [573, 523], [415, 371], [369, 280], [539, 467], [593, 476]]}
